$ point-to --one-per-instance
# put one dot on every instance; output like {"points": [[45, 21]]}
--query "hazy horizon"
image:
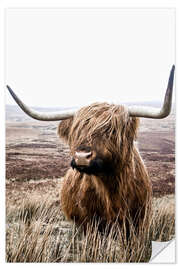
{"points": [[155, 103]]}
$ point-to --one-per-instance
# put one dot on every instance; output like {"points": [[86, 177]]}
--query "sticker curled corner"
{"points": [[163, 252]]}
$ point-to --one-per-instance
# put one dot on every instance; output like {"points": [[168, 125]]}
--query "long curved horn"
{"points": [[49, 116], [148, 112]]}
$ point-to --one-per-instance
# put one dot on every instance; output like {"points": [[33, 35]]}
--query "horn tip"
{"points": [[173, 68], [9, 88], [171, 78]]}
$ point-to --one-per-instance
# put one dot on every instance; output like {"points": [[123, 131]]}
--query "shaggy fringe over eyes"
{"points": [[103, 121]]}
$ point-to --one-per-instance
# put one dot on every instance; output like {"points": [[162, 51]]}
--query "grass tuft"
{"points": [[38, 232]]}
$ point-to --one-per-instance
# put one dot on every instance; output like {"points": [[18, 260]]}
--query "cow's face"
{"points": [[100, 137], [92, 158]]}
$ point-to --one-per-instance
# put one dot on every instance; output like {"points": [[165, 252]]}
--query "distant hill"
{"points": [[15, 114]]}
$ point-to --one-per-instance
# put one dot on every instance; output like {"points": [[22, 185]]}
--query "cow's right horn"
{"points": [[48, 116], [155, 113]]}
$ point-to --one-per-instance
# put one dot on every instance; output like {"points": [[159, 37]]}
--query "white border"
{"points": [[2, 139]]}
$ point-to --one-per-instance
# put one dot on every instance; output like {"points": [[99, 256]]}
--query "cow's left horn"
{"points": [[49, 116], [155, 113]]}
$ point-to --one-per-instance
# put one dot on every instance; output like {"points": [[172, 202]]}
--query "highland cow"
{"points": [[107, 180]]}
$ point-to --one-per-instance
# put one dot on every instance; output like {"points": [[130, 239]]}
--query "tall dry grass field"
{"points": [[38, 232]]}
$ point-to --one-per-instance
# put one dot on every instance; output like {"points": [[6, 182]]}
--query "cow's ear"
{"points": [[64, 129]]}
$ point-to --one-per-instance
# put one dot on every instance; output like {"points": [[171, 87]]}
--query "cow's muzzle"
{"points": [[81, 161], [82, 158], [85, 163]]}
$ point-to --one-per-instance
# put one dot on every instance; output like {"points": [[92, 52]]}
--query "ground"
{"points": [[36, 161], [34, 152]]}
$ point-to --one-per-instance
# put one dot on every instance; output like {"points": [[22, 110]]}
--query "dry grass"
{"points": [[163, 220], [38, 232]]}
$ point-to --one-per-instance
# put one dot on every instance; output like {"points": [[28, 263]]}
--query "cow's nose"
{"points": [[82, 158]]}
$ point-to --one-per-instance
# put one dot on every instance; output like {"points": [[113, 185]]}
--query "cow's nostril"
{"points": [[89, 155]]}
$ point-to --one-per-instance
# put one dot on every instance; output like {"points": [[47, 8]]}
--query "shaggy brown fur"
{"points": [[124, 193]]}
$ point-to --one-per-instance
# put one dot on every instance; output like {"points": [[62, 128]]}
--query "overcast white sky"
{"points": [[72, 57]]}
